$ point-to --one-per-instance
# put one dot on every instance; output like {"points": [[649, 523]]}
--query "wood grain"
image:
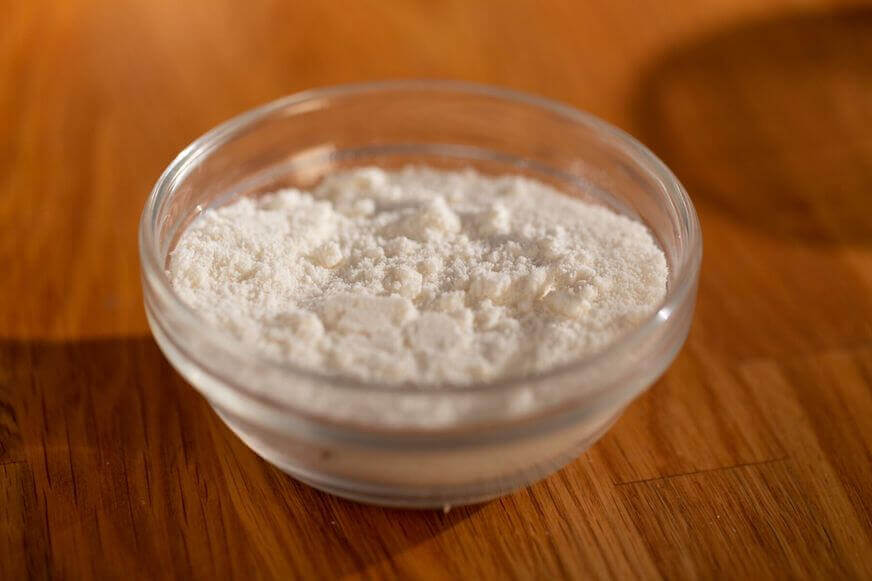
{"points": [[752, 457]]}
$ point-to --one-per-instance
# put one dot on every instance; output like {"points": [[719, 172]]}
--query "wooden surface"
{"points": [[752, 457]]}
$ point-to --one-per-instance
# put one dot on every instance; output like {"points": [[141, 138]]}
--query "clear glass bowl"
{"points": [[418, 446]]}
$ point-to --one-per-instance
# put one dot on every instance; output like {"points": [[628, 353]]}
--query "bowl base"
{"points": [[441, 498]]}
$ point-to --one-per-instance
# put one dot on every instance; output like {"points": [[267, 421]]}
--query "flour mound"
{"points": [[420, 275]]}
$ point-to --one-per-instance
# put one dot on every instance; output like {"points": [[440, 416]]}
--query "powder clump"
{"points": [[420, 275]]}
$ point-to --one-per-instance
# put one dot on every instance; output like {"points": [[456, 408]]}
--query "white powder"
{"points": [[420, 275]]}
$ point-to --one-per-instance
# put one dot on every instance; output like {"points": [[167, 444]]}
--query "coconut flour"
{"points": [[420, 275]]}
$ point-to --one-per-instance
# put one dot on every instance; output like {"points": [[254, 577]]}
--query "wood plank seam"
{"points": [[703, 471]]}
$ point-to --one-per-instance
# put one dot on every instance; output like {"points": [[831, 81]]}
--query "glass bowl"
{"points": [[417, 446]]}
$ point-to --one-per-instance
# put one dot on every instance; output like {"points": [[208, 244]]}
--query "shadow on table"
{"points": [[768, 122], [105, 450]]}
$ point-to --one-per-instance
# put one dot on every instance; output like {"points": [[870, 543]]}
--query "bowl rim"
{"points": [[684, 274]]}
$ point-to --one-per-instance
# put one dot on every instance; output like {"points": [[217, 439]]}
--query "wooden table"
{"points": [[752, 457]]}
